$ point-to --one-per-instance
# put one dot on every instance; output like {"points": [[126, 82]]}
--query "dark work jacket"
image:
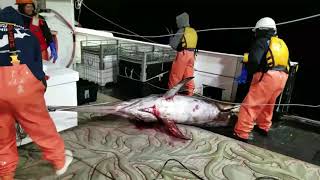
{"points": [[26, 43], [258, 51], [45, 28]]}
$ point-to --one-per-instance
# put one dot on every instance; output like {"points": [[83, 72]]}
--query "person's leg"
{"points": [[31, 112], [260, 93], [264, 120], [8, 147], [178, 68], [189, 72]]}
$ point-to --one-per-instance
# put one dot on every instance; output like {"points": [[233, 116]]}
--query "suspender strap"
{"points": [[12, 45]]}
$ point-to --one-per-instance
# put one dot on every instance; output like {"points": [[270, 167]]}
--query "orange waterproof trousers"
{"points": [[254, 106], [22, 99], [183, 67]]}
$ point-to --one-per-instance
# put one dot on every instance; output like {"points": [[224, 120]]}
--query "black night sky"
{"points": [[152, 18]]}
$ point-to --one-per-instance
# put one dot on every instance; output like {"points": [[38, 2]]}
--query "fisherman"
{"points": [[185, 43], [38, 27], [22, 89], [268, 62]]}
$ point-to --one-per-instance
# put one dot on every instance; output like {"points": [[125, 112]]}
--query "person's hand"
{"points": [[54, 54], [242, 79]]}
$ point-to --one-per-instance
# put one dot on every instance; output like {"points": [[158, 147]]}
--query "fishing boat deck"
{"points": [[114, 147]]}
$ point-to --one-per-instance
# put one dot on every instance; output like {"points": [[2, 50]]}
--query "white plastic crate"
{"points": [[99, 61], [95, 53], [92, 60], [149, 54], [101, 77], [144, 62], [110, 61]]}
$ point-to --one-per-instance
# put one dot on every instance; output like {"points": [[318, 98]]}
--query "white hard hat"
{"points": [[266, 23]]}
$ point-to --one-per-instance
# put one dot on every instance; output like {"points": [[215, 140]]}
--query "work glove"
{"points": [[54, 53], [242, 79]]}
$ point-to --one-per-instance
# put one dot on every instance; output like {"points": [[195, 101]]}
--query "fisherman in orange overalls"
{"points": [[22, 88], [268, 62], [185, 43]]}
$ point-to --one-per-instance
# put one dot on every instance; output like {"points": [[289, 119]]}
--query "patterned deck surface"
{"points": [[121, 150]]}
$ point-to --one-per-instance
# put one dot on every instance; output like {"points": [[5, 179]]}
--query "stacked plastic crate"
{"points": [[99, 61], [144, 62]]}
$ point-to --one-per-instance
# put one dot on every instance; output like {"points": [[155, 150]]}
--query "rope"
{"points": [[243, 104], [65, 108], [201, 30], [134, 34], [175, 160], [80, 2]]}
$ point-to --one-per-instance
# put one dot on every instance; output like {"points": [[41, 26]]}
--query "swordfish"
{"points": [[170, 109]]}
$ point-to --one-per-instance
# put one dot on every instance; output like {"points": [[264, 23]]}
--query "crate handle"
{"points": [[125, 71], [131, 72], [90, 62]]}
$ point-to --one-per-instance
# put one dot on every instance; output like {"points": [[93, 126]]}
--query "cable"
{"points": [[64, 108], [73, 35], [159, 173], [97, 14], [68, 25], [95, 167], [77, 158], [211, 29], [242, 104], [201, 30], [79, 14], [266, 178], [297, 20], [169, 35]]}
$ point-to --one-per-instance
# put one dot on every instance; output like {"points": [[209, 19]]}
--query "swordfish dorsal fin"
{"points": [[175, 89]]}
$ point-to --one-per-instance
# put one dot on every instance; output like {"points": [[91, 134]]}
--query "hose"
{"points": [[72, 30], [67, 24]]}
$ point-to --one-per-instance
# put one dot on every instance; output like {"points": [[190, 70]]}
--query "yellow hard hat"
{"points": [[24, 1]]}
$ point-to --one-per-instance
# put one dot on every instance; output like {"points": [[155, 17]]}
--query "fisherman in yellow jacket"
{"points": [[185, 43], [268, 62]]}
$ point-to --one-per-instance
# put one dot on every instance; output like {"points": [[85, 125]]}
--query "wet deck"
{"points": [[118, 149], [114, 147]]}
